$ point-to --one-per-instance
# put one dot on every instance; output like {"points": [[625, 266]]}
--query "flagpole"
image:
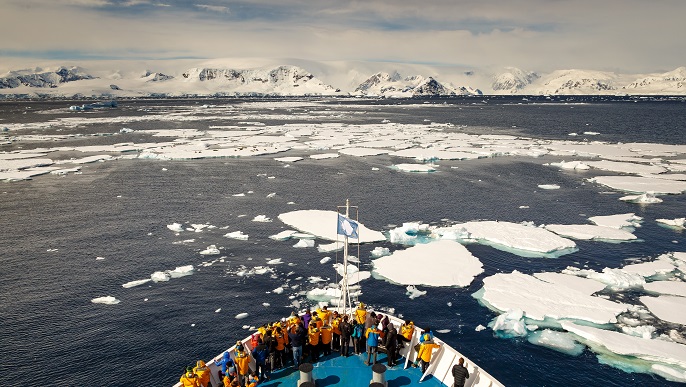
{"points": [[346, 289]]}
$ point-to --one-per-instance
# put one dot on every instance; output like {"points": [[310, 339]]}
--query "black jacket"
{"points": [[460, 374]]}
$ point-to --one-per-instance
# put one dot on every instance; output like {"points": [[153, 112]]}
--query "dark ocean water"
{"points": [[53, 335]]}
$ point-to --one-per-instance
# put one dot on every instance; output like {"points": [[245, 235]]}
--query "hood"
{"points": [[200, 364]]}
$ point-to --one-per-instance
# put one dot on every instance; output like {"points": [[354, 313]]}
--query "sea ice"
{"points": [[539, 299], [362, 152], [357, 277], [323, 224], [667, 308], [109, 300], [585, 285], [210, 250], [480, 328], [275, 261], [380, 252], [326, 294], [261, 218], [283, 235], [160, 276], [588, 232], [644, 198], [325, 260], [413, 292], [624, 167], [241, 316], [458, 266], [636, 184], [661, 265], [237, 235], [520, 239], [574, 165], [509, 324], [676, 223], [548, 186], [292, 159], [675, 288], [325, 156], [136, 283], [303, 243], [644, 331], [278, 290], [408, 233], [329, 247], [176, 227], [615, 279], [657, 352], [560, 341], [628, 220], [415, 167]]}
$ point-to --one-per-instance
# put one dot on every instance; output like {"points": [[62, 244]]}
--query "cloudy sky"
{"points": [[537, 35]]}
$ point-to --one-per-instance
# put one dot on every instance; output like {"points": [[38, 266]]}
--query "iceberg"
{"points": [[380, 252], [456, 265], [323, 225], [540, 300]]}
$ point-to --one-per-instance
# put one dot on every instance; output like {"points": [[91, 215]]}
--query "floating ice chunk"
{"points": [[667, 308], [176, 227], [480, 328], [517, 238], [210, 250], [415, 167], [326, 294], [108, 300], [329, 247], [645, 198], [560, 341], [136, 283], [292, 159], [379, 252], [636, 184], [540, 299], [323, 225], [362, 152], [616, 279], [628, 220], [261, 218], [588, 232], [339, 268], [669, 373], [237, 235], [325, 260], [315, 279], [573, 165], [160, 276], [303, 243], [626, 167], [278, 290], [676, 223], [548, 186], [283, 235], [657, 352], [275, 261], [238, 195], [408, 233], [413, 292], [271, 195], [99, 258], [357, 277], [458, 265], [644, 331], [443, 331], [662, 265], [302, 235], [181, 271], [266, 304], [241, 316], [325, 156], [510, 324], [675, 288]]}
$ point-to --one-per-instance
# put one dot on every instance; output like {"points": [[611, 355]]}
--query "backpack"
{"points": [[357, 331]]}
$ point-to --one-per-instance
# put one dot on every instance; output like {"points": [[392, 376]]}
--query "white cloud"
{"points": [[213, 8]]}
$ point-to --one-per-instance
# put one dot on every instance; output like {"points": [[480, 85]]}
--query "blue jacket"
{"points": [[372, 338], [225, 362], [297, 339], [260, 354]]}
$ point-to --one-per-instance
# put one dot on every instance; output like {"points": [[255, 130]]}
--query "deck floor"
{"points": [[335, 370]]}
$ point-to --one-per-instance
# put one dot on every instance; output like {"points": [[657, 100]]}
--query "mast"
{"points": [[344, 301]]}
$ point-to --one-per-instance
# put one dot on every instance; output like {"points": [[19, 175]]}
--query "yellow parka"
{"points": [[327, 334], [242, 360], [360, 315], [407, 330], [425, 351], [203, 373], [313, 335], [189, 379]]}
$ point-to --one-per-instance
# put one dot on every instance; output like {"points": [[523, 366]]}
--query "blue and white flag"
{"points": [[347, 227]]}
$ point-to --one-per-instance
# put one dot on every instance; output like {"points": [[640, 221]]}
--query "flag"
{"points": [[347, 227]]}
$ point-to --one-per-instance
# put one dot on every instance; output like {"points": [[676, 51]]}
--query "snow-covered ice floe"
{"points": [[237, 235], [454, 264], [322, 224], [590, 232], [678, 223], [548, 186], [520, 239], [637, 184], [108, 300], [667, 308], [210, 250], [626, 221], [644, 198], [415, 167]]}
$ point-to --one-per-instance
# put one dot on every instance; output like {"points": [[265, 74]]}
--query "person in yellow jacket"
{"points": [[335, 326], [361, 314], [203, 373], [313, 335], [326, 338], [324, 314], [280, 355], [242, 361], [189, 378], [425, 351], [406, 332]]}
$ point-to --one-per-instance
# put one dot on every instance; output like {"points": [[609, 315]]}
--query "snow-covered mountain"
{"points": [[386, 85], [40, 78], [235, 77]]}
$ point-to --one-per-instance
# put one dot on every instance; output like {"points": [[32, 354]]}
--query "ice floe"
{"points": [[415, 167], [628, 220], [292, 159], [521, 239], [675, 288], [323, 224], [136, 283], [539, 299], [589, 232], [176, 227], [676, 223], [560, 341], [108, 300], [668, 356], [548, 186], [210, 250], [573, 165], [625, 167], [237, 235], [644, 198], [283, 235], [329, 247], [241, 316], [380, 252], [262, 218], [413, 292], [304, 243], [667, 308], [637, 184], [458, 267], [615, 279]]}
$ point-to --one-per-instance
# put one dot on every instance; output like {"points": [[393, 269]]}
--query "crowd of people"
{"points": [[308, 337]]}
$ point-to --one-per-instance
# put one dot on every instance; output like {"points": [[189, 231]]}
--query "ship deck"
{"points": [[337, 370]]}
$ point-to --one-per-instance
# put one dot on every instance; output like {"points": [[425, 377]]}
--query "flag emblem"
{"points": [[347, 227]]}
